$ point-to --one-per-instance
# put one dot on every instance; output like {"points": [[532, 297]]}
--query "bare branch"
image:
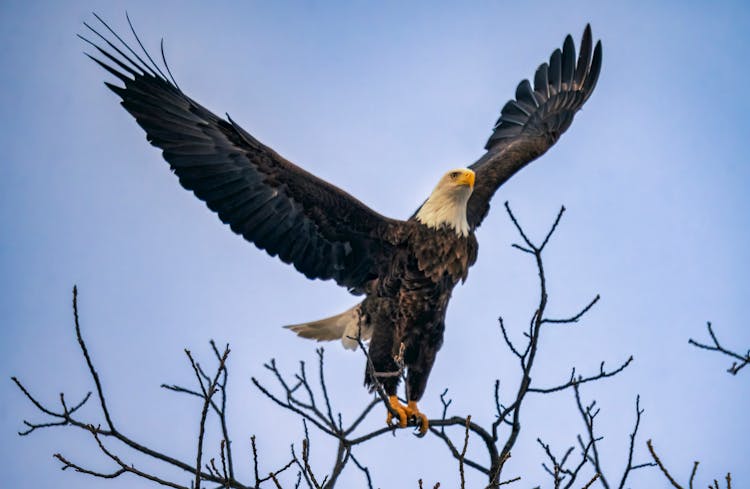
{"points": [[522, 248], [306, 461], [671, 479], [290, 406], [740, 360], [593, 479], [323, 387], [663, 468], [510, 414], [462, 456], [588, 414], [582, 380], [630, 467], [560, 471], [64, 416], [208, 392], [67, 464], [222, 413], [520, 230], [89, 363], [575, 318], [507, 339], [364, 470], [124, 468], [365, 412], [527, 358], [692, 474], [552, 229]]}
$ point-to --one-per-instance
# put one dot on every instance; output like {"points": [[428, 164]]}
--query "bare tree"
{"points": [[209, 388], [306, 394]]}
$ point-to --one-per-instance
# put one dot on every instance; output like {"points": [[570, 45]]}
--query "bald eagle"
{"points": [[405, 269]]}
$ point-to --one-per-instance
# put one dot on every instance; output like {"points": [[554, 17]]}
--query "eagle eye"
{"points": [[454, 175]]}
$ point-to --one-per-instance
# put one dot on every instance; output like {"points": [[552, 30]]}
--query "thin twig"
{"points": [[365, 470], [741, 360], [462, 457], [593, 479], [208, 392], [89, 363], [582, 380], [575, 318], [662, 467]]}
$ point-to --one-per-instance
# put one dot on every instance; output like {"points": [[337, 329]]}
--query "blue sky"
{"points": [[381, 99]]}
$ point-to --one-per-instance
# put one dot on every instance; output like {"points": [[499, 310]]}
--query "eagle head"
{"points": [[446, 205]]}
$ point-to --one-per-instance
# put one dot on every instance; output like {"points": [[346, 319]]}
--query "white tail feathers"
{"points": [[344, 326]]}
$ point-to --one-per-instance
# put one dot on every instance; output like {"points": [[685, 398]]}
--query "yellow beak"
{"points": [[467, 178]]}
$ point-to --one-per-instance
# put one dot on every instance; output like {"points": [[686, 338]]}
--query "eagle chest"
{"points": [[442, 255]]}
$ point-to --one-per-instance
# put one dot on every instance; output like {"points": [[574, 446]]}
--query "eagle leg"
{"points": [[400, 409], [412, 411]]}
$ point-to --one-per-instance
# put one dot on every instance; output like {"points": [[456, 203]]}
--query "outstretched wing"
{"points": [[529, 125], [323, 231]]}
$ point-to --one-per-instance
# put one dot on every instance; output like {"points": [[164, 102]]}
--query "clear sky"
{"points": [[381, 99]]}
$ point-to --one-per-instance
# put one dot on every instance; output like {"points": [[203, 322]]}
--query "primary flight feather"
{"points": [[406, 269]]}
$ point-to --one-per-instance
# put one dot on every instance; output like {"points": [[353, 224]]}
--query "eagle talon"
{"points": [[413, 412], [400, 409], [406, 414]]}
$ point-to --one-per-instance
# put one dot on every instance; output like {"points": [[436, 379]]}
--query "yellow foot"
{"points": [[413, 412], [400, 411], [405, 413]]}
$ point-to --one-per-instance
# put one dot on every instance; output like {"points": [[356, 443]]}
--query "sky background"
{"points": [[381, 99]]}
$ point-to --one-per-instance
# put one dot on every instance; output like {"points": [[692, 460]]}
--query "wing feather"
{"points": [[568, 62], [531, 124], [555, 72], [320, 229], [525, 97], [541, 83]]}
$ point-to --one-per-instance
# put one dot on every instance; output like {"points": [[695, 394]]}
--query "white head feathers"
{"points": [[446, 205]]}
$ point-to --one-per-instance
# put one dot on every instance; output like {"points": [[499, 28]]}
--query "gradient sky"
{"points": [[381, 99]]}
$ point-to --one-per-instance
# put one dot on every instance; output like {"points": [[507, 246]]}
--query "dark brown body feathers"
{"points": [[408, 305]]}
